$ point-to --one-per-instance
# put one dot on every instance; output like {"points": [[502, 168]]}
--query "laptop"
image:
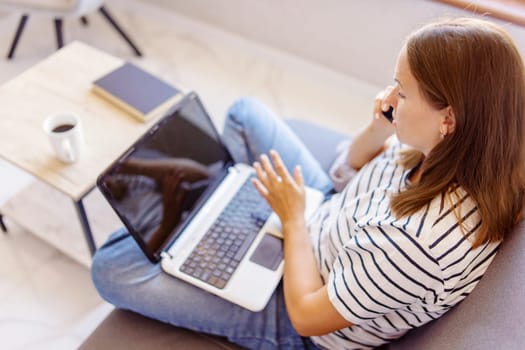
{"points": [[191, 208]]}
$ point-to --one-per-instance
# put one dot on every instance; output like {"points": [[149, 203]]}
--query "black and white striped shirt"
{"points": [[388, 275]]}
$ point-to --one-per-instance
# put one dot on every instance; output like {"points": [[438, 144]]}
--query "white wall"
{"points": [[360, 38]]}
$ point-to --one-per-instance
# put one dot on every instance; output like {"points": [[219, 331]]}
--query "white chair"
{"points": [[58, 9]]}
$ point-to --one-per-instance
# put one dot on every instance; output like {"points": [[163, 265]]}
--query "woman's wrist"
{"points": [[366, 145], [294, 225], [377, 134]]}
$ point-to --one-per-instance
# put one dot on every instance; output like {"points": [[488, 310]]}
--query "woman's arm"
{"points": [[307, 302], [371, 140]]}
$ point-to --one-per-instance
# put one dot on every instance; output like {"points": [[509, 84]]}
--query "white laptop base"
{"points": [[251, 285]]}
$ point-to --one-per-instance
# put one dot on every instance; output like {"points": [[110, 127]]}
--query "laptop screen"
{"points": [[156, 185]]}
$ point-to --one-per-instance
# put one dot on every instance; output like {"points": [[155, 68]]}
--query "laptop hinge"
{"points": [[233, 169], [165, 255]]}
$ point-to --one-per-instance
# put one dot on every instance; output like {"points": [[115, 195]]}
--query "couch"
{"points": [[490, 318]]}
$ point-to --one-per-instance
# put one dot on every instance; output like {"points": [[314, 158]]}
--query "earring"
{"points": [[442, 133]]}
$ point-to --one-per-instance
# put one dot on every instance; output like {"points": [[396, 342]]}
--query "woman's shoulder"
{"points": [[449, 221]]}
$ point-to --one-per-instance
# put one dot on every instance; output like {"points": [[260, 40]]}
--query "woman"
{"points": [[413, 230]]}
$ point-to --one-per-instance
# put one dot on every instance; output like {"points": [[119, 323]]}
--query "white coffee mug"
{"points": [[65, 134]]}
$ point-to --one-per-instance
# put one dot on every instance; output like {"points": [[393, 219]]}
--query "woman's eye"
{"points": [[401, 95]]}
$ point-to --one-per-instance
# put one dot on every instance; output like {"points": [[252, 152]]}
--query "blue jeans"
{"points": [[124, 276]]}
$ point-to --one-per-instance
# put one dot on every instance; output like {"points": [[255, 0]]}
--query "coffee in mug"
{"points": [[65, 135], [63, 127]]}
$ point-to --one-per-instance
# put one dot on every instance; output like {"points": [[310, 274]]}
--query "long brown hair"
{"points": [[473, 66]]}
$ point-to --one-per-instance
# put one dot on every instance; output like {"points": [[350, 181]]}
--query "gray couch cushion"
{"points": [[319, 140], [128, 330]]}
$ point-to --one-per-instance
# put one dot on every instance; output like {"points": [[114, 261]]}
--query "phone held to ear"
{"points": [[388, 114]]}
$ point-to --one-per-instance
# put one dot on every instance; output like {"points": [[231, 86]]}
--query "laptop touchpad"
{"points": [[269, 252]]}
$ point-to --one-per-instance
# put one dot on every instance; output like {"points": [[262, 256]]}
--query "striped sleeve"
{"points": [[340, 171], [382, 269]]}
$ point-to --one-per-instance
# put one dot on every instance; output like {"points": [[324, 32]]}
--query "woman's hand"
{"points": [[381, 104], [284, 193], [370, 141]]}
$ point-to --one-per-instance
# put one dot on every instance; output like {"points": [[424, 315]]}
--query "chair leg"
{"points": [[18, 33], [110, 19], [58, 31], [2, 224]]}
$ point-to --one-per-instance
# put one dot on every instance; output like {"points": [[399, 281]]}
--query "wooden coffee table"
{"points": [[53, 206]]}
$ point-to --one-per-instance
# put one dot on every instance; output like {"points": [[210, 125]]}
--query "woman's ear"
{"points": [[448, 123]]}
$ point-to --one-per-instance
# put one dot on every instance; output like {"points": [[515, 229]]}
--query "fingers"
{"points": [[377, 104], [261, 174], [274, 171], [260, 187], [280, 168], [268, 168], [271, 173], [380, 103], [284, 193], [298, 176]]}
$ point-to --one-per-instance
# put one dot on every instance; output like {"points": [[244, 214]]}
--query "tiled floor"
{"points": [[47, 300]]}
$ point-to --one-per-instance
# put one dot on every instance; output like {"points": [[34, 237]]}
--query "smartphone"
{"points": [[388, 114]]}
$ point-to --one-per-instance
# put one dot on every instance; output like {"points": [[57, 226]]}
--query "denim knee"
{"points": [[116, 266], [244, 108], [105, 271], [100, 274], [252, 118], [241, 119]]}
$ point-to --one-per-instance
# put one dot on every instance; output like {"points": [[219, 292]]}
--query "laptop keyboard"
{"points": [[222, 248]]}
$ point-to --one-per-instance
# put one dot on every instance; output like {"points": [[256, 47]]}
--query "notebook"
{"points": [[180, 195], [138, 92]]}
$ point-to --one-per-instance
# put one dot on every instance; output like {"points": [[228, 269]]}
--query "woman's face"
{"points": [[417, 123]]}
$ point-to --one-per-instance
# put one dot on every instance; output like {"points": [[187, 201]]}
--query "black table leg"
{"points": [[110, 19], [2, 224], [88, 234], [59, 32], [18, 33]]}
